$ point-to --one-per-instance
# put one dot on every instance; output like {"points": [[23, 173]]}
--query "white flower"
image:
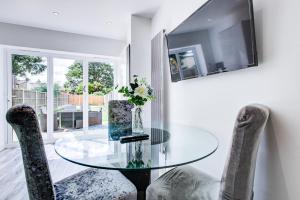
{"points": [[143, 81], [141, 91]]}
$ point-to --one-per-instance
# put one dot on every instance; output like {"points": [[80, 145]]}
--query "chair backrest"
{"points": [[238, 176], [119, 118], [24, 121]]}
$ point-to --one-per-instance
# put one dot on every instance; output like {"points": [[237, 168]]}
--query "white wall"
{"points": [[140, 46], [24, 36], [140, 54], [212, 102], [2, 99]]}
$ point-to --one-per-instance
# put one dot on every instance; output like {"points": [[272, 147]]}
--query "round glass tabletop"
{"points": [[173, 146]]}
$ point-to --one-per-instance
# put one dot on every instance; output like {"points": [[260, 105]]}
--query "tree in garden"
{"points": [[74, 78], [43, 88], [101, 79], [23, 64]]}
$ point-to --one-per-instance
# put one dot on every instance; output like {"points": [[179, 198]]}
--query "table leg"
{"points": [[60, 120], [73, 120], [141, 180]]}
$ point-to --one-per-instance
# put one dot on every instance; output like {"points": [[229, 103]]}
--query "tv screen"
{"points": [[218, 37]]}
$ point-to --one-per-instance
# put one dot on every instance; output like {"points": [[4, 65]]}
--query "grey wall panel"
{"points": [[157, 63]]}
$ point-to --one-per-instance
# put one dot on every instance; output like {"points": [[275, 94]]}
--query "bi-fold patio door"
{"points": [[56, 86]]}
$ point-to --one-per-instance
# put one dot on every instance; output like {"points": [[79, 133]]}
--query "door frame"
{"points": [[50, 55]]}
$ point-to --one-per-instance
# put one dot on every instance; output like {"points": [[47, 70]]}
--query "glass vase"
{"points": [[137, 120]]}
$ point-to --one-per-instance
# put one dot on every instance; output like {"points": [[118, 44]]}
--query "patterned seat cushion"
{"points": [[95, 184], [184, 183]]}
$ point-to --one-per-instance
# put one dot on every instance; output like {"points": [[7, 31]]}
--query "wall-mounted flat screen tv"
{"points": [[218, 37]]}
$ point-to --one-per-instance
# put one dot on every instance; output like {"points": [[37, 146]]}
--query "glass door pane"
{"points": [[100, 86], [68, 96], [29, 86]]}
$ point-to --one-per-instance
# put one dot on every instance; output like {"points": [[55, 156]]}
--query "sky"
{"points": [[60, 68]]}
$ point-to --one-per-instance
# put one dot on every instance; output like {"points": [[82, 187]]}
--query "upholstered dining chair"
{"points": [[187, 183], [91, 184], [119, 118]]}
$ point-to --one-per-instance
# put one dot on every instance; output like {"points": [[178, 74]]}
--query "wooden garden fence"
{"points": [[93, 100], [38, 100]]}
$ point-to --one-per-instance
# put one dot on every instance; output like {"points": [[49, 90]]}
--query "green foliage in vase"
{"points": [[135, 164]]}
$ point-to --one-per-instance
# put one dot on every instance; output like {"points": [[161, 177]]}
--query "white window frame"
{"points": [[50, 55]]}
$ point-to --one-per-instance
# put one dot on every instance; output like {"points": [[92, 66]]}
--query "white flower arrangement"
{"points": [[138, 92]]}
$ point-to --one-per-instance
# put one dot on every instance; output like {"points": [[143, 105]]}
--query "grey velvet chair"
{"points": [[119, 118], [91, 184], [187, 183]]}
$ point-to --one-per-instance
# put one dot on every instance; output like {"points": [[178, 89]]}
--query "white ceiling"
{"points": [[102, 18]]}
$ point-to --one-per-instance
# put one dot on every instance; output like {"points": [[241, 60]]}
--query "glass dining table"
{"points": [[167, 147]]}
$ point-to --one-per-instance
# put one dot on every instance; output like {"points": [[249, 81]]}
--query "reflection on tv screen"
{"points": [[218, 37]]}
